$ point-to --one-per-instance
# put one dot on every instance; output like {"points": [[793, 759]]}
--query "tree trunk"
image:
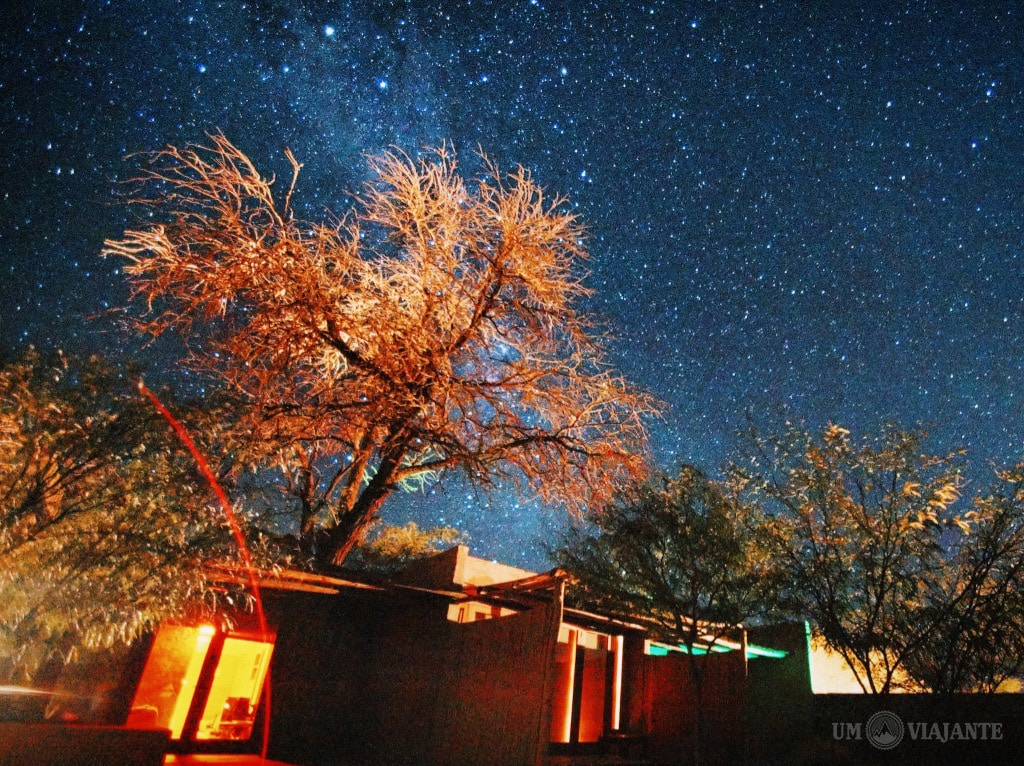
{"points": [[697, 679], [337, 542]]}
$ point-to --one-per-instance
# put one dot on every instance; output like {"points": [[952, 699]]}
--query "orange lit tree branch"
{"points": [[435, 328]]}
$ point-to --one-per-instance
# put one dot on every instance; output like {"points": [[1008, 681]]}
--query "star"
{"points": [[791, 214]]}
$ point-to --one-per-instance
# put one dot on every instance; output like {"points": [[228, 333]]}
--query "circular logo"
{"points": [[885, 730]]}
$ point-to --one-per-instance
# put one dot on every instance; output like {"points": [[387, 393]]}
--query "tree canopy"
{"points": [[681, 554], [977, 610], [103, 531], [436, 327], [680, 551], [392, 548], [877, 550]]}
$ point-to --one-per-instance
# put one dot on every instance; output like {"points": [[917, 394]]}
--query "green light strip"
{"points": [[763, 651], [753, 650]]}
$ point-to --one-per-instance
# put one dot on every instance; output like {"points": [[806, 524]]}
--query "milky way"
{"points": [[793, 213]]}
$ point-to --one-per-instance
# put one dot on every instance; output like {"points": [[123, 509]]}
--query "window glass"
{"points": [[168, 681], [235, 692]]}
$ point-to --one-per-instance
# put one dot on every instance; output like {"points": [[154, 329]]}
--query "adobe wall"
{"points": [[441, 571], [669, 707], [456, 567], [835, 731], [789, 724], [779, 703], [473, 693], [386, 678]]}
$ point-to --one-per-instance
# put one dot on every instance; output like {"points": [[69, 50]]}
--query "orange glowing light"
{"points": [[236, 530]]}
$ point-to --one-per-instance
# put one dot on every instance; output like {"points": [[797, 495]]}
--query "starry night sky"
{"points": [[794, 212]]}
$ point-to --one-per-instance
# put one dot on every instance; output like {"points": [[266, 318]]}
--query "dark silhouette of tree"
{"points": [[977, 606], [103, 533], [874, 553], [437, 327], [682, 553]]}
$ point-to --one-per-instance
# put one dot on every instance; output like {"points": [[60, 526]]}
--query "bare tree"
{"points": [[436, 327]]}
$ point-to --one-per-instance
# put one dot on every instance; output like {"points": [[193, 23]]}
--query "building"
{"points": [[456, 660]]}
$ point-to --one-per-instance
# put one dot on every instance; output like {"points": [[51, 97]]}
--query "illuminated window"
{"points": [[235, 692], [190, 667], [169, 680]]}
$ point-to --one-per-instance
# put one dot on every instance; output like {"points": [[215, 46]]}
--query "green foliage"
{"points": [[681, 551], [392, 548], [978, 612], [103, 529], [868, 538]]}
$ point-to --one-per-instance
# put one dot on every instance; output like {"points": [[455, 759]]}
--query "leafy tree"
{"points": [[858, 532], [102, 532], [680, 552], [437, 327], [977, 606], [393, 547]]}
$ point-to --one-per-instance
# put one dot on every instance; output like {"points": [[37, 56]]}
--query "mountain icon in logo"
{"points": [[885, 730]]}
